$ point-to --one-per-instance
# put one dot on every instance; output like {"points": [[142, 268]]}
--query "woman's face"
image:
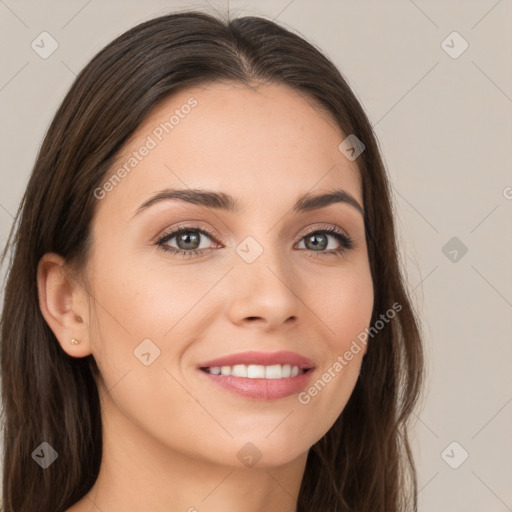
{"points": [[260, 288]]}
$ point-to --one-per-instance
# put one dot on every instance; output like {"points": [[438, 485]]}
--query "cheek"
{"points": [[138, 298], [143, 318], [345, 307], [147, 311], [344, 303]]}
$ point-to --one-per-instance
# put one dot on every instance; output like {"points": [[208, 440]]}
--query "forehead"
{"points": [[260, 144]]}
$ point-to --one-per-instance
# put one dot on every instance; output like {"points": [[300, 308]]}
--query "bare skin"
{"points": [[171, 437]]}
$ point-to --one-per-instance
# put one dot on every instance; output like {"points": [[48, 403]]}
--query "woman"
{"points": [[205, 309]]}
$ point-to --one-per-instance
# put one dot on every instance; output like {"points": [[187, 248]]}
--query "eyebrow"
{"points": [[222, 201]]}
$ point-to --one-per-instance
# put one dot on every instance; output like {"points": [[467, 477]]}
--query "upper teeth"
{"points": [[256, 371]]}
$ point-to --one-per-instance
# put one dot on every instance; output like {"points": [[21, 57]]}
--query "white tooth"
{"points": [[239, 370], [225, 370], [256, 371], [273, 372]]}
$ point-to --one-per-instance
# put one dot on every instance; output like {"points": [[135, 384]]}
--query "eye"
{"points": [[189, 241], [317, 240]]}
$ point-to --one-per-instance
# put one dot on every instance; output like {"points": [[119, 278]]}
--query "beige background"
{"points": [[445, 129]]}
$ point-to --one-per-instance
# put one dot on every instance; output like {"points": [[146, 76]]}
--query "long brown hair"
{"points": [[364, 462]]}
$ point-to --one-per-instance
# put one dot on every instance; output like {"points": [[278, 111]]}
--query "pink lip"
{"points": [[261, 389], [262, 358]]}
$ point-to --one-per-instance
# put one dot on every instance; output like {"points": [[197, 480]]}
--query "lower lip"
{"points": [[262, 389]]}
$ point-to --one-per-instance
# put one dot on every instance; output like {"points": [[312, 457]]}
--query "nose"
{"points": [[264, 293]]}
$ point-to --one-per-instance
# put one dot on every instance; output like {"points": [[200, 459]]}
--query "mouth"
{"points": [[259, 375]]}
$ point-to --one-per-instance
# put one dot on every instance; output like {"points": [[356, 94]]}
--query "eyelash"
{"points": [[345, 241]]}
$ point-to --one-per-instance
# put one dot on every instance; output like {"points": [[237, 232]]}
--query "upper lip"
{"points": [[260, 358]]}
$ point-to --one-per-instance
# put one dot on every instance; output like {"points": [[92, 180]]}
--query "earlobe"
{"points": [[63, 305]]}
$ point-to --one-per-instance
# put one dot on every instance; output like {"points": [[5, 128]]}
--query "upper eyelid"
{"points": [[176, 230]]}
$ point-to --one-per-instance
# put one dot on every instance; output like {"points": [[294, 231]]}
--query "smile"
{"points": [[260, 375]]}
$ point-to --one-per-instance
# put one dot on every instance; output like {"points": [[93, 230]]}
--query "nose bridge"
{"points": [[262, 253], [263, 281]]}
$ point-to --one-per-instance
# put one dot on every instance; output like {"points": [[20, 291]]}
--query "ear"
{"points": [[64, 305]]}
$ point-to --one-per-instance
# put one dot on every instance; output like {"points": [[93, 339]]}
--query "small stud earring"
{"points": [[75, 341]]}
